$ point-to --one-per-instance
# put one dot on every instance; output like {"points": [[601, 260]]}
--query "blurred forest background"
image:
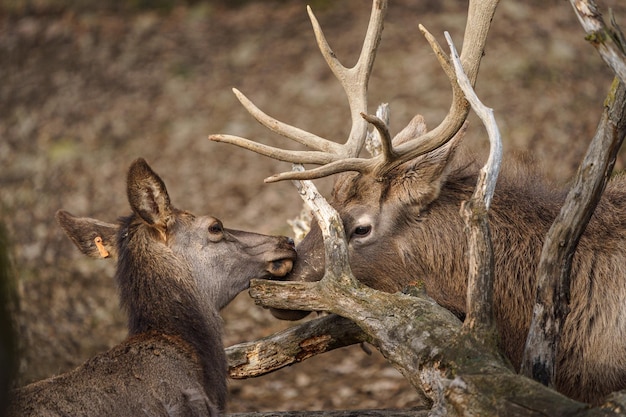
{"points": [[88, 86]]}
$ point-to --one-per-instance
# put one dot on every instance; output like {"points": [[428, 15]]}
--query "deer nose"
{"points": [[291, 242], [280, 267]]}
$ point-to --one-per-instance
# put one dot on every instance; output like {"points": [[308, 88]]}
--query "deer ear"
{"points": [[415, 129], [421, 178], [94, 238], [148, 196]]}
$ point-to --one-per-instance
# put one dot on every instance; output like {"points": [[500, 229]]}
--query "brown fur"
{"points": [[417, 235], [175, 271]]}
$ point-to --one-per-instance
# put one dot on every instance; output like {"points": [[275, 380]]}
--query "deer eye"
{"points": [[362, 231], [216, 228]]}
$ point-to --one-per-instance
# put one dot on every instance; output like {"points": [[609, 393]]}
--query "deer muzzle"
{"points": [[280, 267], [282, 258]]}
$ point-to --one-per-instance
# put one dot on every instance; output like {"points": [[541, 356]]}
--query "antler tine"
{"points": [[480, 14], [355, 80], [385, 136], [335, 157], [301, 136], [296, 157], [340, 165]]}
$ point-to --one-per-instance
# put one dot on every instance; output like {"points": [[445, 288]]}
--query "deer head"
{"points": [[413, 165], [221, 260]]}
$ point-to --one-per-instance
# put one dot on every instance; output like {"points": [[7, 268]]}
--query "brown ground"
{"points": [[82, 95]]}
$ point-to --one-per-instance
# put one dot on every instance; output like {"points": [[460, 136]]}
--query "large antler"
{"points": [[334, 157]]}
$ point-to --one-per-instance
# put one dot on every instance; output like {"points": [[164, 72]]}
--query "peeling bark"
{"points": [[608, 40], [298, 343]]}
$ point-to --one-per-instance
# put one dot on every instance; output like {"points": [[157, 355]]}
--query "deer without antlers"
{"points": [[400, 211], [175, 271]]}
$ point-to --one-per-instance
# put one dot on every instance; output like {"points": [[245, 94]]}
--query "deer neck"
{"points": [[159, 295]]}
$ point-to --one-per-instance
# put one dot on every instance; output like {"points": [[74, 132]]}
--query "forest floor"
{"points": [[84, 94]]}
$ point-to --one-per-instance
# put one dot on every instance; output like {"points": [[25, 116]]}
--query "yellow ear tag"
{"points": [[103, 252]]}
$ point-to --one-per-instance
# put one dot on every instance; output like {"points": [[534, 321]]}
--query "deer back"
{"points": [[152, 374]]}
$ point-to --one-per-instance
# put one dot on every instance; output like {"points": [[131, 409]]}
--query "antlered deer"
{"points": [[400, 211], [175, 271]]}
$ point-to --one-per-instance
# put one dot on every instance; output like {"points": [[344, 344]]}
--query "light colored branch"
{"points": [[331, 225], [489, 173], [480, 318], [355, 80]]}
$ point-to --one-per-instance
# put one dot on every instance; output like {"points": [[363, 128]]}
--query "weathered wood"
{"points": [[480, 317], [553, 287], [338, 413], [608, 40], [296, 344], [427, 344], [460, 370]]}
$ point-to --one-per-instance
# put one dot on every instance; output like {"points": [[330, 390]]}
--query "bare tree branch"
{"points": [[428, 345], [335, 244], [298, 343], [462, 374], [480, 318], [553, 285], [419, 412], [608, 40]]}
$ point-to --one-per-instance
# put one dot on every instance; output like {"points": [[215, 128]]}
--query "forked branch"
{"points": [[608, 40], [296, 344]]}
